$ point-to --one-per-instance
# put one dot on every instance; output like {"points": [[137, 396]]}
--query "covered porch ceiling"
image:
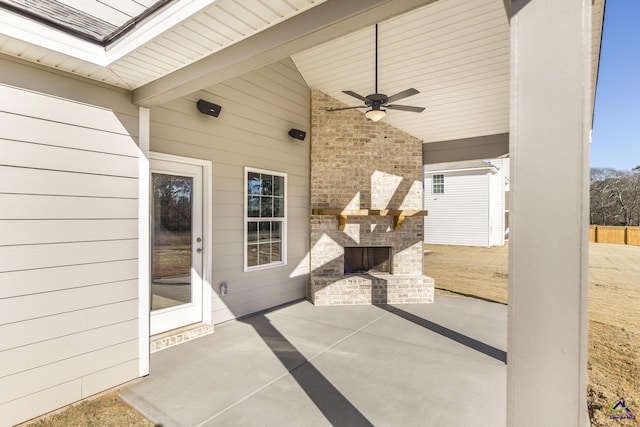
{"points": [[455, 52]]}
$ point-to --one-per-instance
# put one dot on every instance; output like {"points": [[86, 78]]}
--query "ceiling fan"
{"points": [[377, 101]]}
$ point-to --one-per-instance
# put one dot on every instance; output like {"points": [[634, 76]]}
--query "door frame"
{"points": [[207, 226]]}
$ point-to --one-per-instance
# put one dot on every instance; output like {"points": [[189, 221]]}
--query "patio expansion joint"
{"points": [[279, 377]]}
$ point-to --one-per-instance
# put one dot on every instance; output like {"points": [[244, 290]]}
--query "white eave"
{"points": [[178, 35], [433, 169], [492, 170], [38, 34]]}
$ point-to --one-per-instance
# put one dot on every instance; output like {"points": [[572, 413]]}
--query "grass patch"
{"points": [[104, 411]]}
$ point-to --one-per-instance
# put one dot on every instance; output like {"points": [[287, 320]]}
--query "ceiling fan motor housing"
{"points": [[378, 98]]}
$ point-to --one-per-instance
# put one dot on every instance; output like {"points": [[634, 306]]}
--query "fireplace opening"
{"points": [[363, 260]]}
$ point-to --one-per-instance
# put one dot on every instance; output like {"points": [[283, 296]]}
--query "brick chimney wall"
{"points": [[360, 164]]}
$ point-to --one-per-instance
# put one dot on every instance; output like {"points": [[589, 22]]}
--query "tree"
{"points": [[172, 203], [602, 196], [615, 196]]}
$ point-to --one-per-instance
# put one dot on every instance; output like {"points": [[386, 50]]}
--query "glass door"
{"points": [[176, 245]]}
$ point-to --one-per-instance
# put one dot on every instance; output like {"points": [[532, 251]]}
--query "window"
{"points": [[437, 184], [265, 223]]}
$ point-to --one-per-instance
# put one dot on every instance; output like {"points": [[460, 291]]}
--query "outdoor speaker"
{"points": [[209, 108], [297, 134]]}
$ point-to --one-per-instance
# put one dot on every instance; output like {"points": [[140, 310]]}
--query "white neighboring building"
{"points": [[466, 202]]}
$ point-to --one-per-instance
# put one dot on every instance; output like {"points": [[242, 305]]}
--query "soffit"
{"points": [[452, 166], [597, 21], [219, 26], [91, 20], [195, 29]]}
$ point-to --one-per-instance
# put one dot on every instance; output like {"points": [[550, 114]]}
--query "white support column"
{"points": [[144, 251], [548, 276]]}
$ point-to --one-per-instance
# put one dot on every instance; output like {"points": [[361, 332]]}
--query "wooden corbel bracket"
{"points": [[398, 215]]}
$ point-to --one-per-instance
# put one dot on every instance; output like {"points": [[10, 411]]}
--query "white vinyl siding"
{"points": [[258, 109], [460, 216], [68, 240], [497, 203], [471, 212]]}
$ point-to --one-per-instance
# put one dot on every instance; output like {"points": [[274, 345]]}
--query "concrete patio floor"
{"points": [[439, 364]]}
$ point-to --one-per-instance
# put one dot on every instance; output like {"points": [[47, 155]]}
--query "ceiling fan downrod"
{"points": [[377, 101], [376, 58]]}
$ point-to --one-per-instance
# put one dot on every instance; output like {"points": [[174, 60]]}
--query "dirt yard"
{"points": [[614, 312]]}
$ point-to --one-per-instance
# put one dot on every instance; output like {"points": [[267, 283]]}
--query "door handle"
{"points": [[198, 250]]}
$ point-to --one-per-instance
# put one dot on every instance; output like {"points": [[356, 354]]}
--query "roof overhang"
{"points": [[37, 33], [478, 147], [456, 53], [488, 167], [325, 22]]}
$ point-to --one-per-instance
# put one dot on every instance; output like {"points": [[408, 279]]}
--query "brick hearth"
{"points": [[360, 165]]}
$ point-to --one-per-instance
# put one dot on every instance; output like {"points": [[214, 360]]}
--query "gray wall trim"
{"points": [[476, 148]]}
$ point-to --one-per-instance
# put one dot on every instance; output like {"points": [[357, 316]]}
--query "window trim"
{"points": [[439, 184], [247, 219]]}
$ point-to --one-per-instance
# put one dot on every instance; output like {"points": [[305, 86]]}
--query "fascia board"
{"points": [[38, 34], [471, 148], [491, 169], [154, 27], [33, 32]]}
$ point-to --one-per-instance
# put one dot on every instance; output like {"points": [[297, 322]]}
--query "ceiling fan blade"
{"points": [[355, 95], [403, 94], [346, 108], [405, 108]]}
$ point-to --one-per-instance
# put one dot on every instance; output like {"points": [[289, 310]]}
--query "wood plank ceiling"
{"points": [[455, 52]]}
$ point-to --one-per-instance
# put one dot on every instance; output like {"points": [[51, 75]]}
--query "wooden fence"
{"points": [[614, 234]]}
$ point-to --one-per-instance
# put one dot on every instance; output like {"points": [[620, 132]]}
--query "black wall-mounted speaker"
{"points": [[297, 134], [209, 108]]}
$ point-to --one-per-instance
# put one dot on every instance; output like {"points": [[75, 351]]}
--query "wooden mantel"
{"points": [[342, 214]]}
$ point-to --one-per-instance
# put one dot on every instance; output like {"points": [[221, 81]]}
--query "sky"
{"points": [[616, 126]]}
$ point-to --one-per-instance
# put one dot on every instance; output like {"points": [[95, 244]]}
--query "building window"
{"points": [[265, 222], [437, 184]]}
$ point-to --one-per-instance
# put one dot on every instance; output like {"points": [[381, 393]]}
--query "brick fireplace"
{"points": [[367, 217]]}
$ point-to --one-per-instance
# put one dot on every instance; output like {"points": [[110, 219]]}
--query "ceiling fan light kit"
{"points": [[378, 100], [375, 115]]}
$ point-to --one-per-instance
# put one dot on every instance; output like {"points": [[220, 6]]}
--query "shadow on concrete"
{"points": [[470, 295], [334, 405], [473, 344]]}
